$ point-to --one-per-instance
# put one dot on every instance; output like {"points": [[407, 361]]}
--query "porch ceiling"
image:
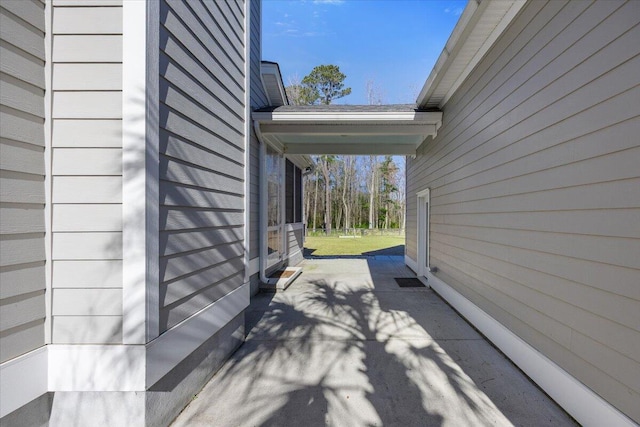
{"points": [[347, 129]]}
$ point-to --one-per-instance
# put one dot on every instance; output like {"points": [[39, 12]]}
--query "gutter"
{"points": [[481, 24]]}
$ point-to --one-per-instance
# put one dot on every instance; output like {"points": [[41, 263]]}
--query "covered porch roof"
{"points": [[347, 129]]}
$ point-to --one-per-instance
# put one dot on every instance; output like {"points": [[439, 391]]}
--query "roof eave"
{"points": [[467, 45], [269, 67], [346, 116]]}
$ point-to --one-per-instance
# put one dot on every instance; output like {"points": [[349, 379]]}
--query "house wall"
{"points": [[86, 170], [22, 172], [295, 242], [535, 190], [202, 143]]}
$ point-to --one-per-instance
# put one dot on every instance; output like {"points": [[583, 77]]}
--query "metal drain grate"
{"points": [[409, 282]]}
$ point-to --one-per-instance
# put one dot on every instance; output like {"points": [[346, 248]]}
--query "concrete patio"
{"points": [[346, 346]]}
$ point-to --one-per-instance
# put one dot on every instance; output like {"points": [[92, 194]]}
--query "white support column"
{"points": [[140, 156]]}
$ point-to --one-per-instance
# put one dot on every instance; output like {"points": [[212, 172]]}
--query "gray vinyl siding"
{"points": [[258, 100], [22, 172], [535, 190], [202, 143], [295, 244], [87, 172]]}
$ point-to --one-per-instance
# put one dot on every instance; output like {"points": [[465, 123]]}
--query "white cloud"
{"points": [[456, 12], [336, 2]]}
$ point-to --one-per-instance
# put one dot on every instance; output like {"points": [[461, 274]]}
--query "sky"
{"points": [[394, 43]]}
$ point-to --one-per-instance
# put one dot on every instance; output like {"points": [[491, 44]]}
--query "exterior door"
{"points": [[423, 233]]}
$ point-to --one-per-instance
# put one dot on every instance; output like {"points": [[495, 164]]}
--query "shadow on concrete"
{"points": [[391, 251], [398, 250], [346, 346]]}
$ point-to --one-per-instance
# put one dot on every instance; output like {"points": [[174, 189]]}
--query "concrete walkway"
{"points": [[345, 346]]}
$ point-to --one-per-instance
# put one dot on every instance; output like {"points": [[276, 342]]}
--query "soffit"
{"points": [[347, 129], [272, 83]]}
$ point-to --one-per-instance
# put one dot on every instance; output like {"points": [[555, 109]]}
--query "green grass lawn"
{"points": [[365, 245]]}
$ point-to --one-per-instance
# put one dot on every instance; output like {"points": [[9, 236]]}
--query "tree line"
{"points": [[347, 192]]}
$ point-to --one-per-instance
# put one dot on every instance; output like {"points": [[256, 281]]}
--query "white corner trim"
{"points": [[96, 367], [23, 379], [170, 348], [140, 208], [578, 400]]}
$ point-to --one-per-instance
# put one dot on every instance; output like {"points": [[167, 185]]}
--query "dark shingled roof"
{"points": [[336, 108]]}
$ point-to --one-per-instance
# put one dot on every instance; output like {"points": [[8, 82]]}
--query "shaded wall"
{"points": [[202, 143], [22, 171]]}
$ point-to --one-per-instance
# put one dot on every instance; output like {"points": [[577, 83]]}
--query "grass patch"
{"points": [[366, 245]]}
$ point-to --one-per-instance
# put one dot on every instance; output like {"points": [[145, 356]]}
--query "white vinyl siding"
{"points": [[535, 190], [22, 170], [202, 143], [87, 172]]}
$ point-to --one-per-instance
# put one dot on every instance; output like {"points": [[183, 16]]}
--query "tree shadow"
{"points": [[317, 361], [336, 352]]}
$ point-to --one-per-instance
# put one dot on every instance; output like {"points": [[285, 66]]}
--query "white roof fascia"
{"points": [[417, 116], [474, 12]]}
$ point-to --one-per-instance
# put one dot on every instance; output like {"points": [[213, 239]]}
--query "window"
{"points": [[297, 195], [293, 193], [289, 192]]}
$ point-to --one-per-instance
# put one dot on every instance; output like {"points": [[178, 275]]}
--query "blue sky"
{"points": [[393, 42]]}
